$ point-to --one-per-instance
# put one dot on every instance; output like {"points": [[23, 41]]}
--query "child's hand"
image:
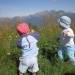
{"points": [[32, 30], [58, 39], [65, 33]]}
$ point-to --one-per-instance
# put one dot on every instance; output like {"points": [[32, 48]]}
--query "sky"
{"points": [[12, 8]]}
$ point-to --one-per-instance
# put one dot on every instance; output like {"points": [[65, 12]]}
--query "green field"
{"points": [[49, 63]]}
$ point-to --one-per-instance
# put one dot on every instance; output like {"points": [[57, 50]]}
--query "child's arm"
{"points": [[35, 34], [19, 43], [58, 38], [68, 33]]}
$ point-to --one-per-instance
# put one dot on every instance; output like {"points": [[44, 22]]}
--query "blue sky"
{"points": [[11, 8]]}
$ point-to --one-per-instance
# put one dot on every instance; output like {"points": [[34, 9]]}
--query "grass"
{"points": [[49, 63]]}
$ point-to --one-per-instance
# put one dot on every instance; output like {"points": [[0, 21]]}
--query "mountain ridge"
{"points": [[37, 18]]}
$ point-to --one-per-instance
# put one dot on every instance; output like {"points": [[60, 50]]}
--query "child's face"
{"points": [[61, 27]]}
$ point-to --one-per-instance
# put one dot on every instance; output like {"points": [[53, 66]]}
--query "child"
{"points": [[67, 39], [28, 44]]}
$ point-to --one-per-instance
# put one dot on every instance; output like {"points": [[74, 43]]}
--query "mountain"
{"points": [[38, 18]]}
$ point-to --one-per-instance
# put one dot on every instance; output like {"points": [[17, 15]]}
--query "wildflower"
{"points": [[51, 29], [16, 36], [9, 36], [8, 53]]}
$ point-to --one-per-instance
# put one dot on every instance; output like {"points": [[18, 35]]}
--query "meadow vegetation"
{"points": [[49, 63]]}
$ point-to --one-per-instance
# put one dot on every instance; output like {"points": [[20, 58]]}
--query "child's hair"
{"points": [[22, 28]]}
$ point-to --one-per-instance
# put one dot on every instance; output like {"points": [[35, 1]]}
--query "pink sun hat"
{"points": [[22, 28]]}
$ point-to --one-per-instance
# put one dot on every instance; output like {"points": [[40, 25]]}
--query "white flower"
{"points": [[8, 53]]}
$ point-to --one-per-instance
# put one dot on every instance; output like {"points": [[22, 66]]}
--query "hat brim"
{"points": [[63, 24]]}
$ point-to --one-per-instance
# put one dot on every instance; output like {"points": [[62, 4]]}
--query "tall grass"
{"points": [[49, 63]]}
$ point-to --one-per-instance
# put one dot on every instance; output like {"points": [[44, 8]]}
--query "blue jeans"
{"points": [[70, 50]]}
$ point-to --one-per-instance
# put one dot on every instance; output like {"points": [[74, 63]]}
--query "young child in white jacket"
{"points": [[67, 39], [27, 42]]}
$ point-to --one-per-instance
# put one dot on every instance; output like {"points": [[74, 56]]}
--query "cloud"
{"points": [[53, 1]]}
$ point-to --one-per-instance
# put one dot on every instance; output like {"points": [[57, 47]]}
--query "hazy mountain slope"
{"points": [[37, 18]]}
